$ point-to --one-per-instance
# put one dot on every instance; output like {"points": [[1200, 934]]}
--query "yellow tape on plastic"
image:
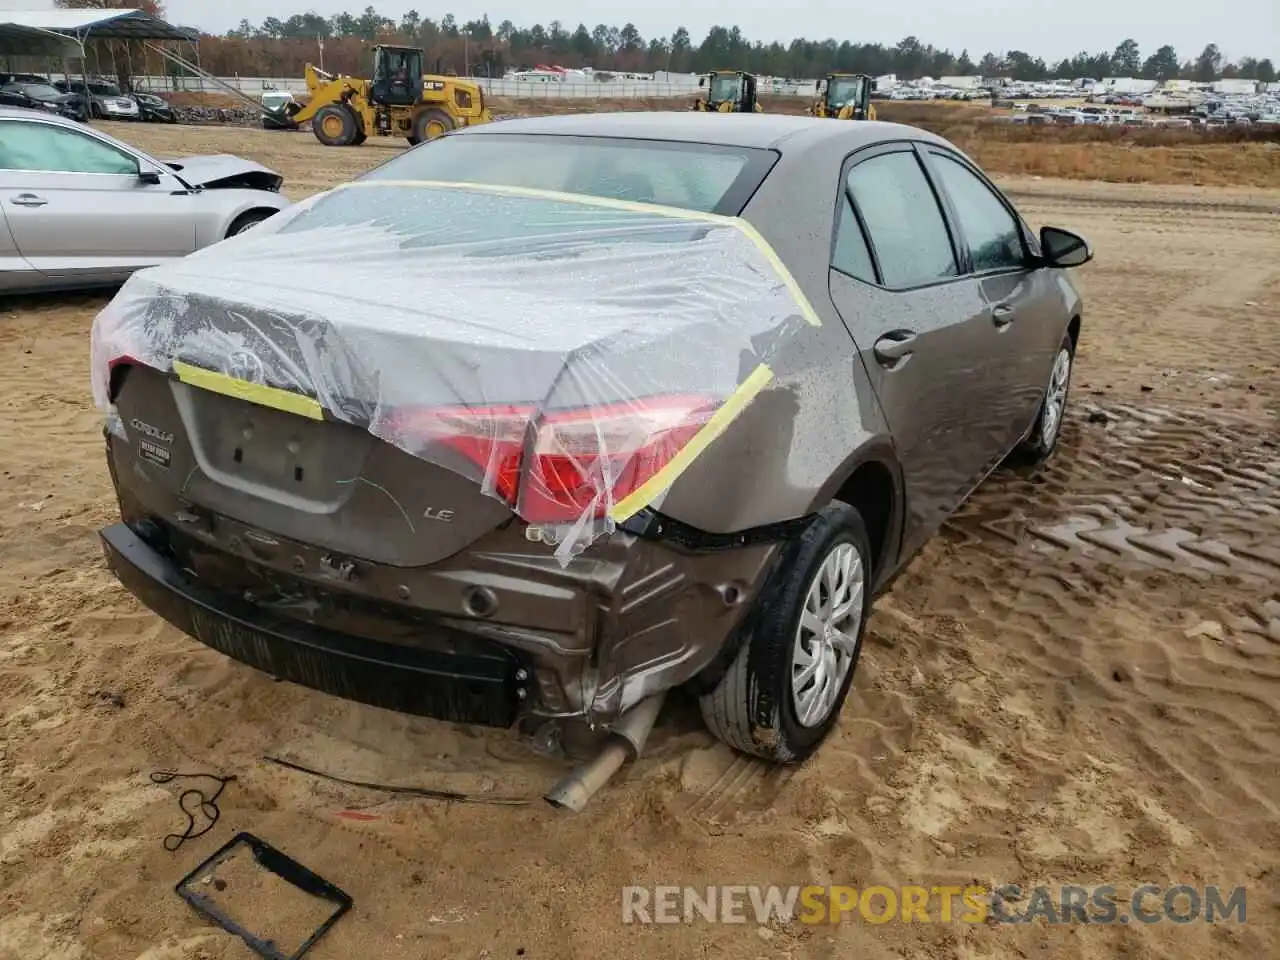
{"points": [[258, 393], [649, 491]]}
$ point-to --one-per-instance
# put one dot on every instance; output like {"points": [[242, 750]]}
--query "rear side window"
{"points": [[691, 176], [904, 221], [990, 231], [851, 255]]}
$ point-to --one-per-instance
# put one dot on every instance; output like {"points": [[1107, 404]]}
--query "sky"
{"points": [[1050, 30], [1240, 28]]}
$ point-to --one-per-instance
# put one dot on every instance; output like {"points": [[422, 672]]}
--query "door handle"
{"points": [[28, 200], [1002, 314], [892, 347]]}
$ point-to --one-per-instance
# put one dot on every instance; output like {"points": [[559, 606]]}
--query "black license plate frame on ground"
{"points": [[283, 866]]}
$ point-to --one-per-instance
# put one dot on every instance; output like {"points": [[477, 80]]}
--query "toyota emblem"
{"points": [[246, 366]]}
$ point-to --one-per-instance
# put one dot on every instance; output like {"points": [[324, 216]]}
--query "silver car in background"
{"points": [[80, 209]]}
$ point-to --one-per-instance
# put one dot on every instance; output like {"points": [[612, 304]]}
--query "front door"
{"points": [[79, 209], [15, 272], [1024, 302], [923, 330]]}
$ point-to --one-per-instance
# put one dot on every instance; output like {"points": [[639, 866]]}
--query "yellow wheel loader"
{"points": [[728, 91], [845, 96], [398, 102]]}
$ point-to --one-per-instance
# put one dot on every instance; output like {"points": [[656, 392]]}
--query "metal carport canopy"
{"points": [[61, 32]]}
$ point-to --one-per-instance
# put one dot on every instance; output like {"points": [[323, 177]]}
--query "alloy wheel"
{"points": [[1055, 399], [827, 635]]}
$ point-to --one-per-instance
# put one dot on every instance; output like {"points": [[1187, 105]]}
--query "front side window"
{"points": [[50, 149], [844, 90], [904, 221], [689, 176], [725, 87], [990, 230]]}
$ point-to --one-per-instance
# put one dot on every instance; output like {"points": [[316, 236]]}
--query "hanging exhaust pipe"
{"points": [[625, 742]]}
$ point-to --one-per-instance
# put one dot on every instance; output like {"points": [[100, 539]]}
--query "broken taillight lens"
{"points": [[558, 467]]}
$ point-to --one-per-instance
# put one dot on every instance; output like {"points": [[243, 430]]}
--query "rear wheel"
{"points": [[783, 693], [336, 125], [430, 124]]}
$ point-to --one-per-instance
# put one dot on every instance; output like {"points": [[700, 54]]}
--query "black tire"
{"points": [[361, 137], [342, 123], [1039, 445], [245, 221], [753, 707], [423, 123]]}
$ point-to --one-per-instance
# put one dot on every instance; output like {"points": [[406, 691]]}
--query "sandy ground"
{"points": [[1077, 682]]}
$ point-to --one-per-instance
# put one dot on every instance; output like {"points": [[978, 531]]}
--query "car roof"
{"points": [[760, 130], [23, 113]]}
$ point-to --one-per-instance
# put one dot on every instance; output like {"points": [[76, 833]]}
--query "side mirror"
{"points": [[1062, 248], [149, 177], [702, 81]]}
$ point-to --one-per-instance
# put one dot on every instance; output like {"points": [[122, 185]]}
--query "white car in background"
{"points": [[80, 209], [282, 103]]}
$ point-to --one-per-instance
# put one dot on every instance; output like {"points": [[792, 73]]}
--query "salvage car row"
{"points": [[82, 100]]}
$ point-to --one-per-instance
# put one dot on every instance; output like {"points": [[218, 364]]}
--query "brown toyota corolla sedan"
{"points": [[547, 417]]}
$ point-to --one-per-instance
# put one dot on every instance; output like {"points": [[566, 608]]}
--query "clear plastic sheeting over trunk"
{"points": [[570, 355]]}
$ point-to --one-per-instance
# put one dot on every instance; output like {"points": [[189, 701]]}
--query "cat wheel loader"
{"points": [[845, 96], [728, 91], [398, 101]]}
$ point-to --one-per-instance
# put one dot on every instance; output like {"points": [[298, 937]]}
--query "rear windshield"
{"points": [[691, 176], [39, 91]]}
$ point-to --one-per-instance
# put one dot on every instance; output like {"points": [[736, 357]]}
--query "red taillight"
{"points": [[558, 467], [117, 369], [121, 361]]}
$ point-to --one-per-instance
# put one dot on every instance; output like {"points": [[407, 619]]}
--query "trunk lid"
{"points": [[320, 482], [541, 353]]}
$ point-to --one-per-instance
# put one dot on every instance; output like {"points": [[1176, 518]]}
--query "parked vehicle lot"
{"points": [[1077, 680]]}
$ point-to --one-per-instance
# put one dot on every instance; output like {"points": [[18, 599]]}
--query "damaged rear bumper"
{"points": [[475, 688]]}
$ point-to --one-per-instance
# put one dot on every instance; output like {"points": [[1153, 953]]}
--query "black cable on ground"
{"points": [[208, 805], [427, 792]]}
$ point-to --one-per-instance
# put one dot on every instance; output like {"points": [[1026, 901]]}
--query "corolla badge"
{"points": [[246, 366]]}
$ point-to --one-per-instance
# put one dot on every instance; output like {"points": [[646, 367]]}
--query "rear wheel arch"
{"points": [[872, 490], [871, 482]]}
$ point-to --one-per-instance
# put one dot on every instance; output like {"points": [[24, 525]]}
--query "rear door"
{"points": [[922, 327], [1026, 308], [78, 207]]}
